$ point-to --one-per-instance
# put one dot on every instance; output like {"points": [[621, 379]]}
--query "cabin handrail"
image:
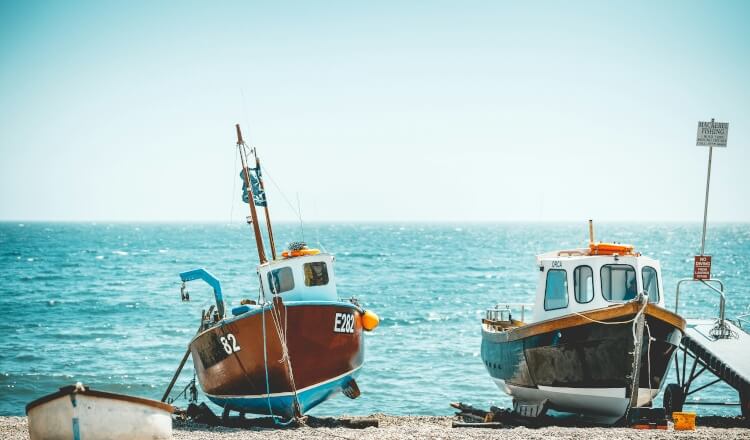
{"points": [[722, 302], [507, 306]]}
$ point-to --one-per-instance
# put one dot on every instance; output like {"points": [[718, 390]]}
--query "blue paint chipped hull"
{"points": [[281, 404]]}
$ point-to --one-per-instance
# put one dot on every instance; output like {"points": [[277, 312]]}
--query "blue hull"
{"points": [[282, 403]]}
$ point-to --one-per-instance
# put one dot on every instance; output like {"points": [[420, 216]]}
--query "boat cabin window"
{"points": [[583, 284], [556, 290], [650, 283], [316, 274], [618, 282], [281, 280]]}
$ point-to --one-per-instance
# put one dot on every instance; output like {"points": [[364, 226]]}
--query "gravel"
{"points": [[413, 427]]}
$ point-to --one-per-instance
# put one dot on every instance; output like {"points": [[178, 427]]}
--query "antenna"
{"points": [[591, 232], [299, 213]]}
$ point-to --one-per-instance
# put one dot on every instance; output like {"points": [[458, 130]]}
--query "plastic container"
{"points": [[684, 421]]}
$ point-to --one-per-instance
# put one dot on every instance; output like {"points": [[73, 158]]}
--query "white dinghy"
{"points": [[80, 413]]}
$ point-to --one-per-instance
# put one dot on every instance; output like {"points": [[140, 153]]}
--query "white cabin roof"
{"points": [[303, 278], [575, 281]]}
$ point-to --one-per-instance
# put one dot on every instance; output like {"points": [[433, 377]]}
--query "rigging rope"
{"points": [[297, 211], [284, 357]]}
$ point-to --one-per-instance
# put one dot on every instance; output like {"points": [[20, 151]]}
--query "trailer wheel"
{"points": [[673, 399]]}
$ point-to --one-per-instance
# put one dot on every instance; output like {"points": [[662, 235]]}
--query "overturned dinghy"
{"points": [[80, 413], [600, 341]]}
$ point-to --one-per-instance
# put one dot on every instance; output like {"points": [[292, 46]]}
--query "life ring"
{"points": [[300, 253], [610, 249]]}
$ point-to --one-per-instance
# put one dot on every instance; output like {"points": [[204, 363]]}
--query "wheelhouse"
{"points": [[303, 278], [576, 281]]}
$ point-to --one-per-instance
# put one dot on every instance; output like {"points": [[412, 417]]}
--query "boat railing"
{"points": [[743, 320], [720, 324], [503, 312]]}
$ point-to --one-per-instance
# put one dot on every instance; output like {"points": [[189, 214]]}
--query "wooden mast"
{"points": [[268, 217], [251, 198]]}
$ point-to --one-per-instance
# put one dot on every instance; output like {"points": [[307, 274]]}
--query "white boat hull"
{"points": [[605, 405], [80, 416]]}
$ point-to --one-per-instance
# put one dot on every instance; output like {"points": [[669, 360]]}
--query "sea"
{"points": [[100, 303]]}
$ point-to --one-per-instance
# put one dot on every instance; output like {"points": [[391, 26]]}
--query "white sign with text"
{"points": [[712, 134]]}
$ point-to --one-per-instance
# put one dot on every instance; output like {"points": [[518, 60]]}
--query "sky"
{"points": [[373, 111]]}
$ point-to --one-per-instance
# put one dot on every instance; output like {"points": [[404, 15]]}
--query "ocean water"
{"points": [[100, 303]]}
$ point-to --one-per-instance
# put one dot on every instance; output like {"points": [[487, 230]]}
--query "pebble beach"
{"points": [[412, 427]]}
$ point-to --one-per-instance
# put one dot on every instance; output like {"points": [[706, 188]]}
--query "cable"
{"points": [[648, 360], [234, 186]]}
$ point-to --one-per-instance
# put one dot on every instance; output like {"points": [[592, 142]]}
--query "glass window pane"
{"points": [[281, 280], [618, 282], [650, 284], [556, 290], [316, 274], [583, 284]]}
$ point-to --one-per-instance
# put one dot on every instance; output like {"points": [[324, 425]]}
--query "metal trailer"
{"points": [[718, 346]]}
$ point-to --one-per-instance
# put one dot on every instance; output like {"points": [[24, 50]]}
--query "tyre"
{"points": [[673, 399]]}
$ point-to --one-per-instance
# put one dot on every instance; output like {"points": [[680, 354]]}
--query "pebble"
{"points": [[415, 427]]}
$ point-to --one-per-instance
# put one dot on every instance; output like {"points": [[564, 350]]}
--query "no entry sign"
{"points": [[702, 267]]}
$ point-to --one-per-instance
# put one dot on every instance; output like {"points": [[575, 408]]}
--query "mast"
{"points": [[251, 198], [268, 217]]}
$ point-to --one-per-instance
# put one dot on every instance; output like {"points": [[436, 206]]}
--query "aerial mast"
{"points": [[268, 217], [251, 197]]}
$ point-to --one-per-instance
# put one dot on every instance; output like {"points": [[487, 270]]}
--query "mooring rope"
{"points": [[615, 322], [285, 356], [648, 359], [634, 320], [285, 349]]}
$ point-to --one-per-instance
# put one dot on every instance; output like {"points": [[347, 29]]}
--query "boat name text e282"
{"points": [[343, 323]]}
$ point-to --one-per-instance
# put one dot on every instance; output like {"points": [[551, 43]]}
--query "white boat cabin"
{"points": [[302, 278], [577, 281]]}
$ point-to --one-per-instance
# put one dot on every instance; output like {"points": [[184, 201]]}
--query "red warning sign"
{"points": [[702, 267]]}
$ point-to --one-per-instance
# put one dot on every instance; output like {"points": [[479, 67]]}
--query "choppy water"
{"points": [[99, 303]]}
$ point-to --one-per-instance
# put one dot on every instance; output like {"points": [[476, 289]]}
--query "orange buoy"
{"points": [[610, 249], [300, 253], [370, 320]]}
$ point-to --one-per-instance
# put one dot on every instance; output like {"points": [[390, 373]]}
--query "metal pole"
{"points": [[250, 197], [705, 207], [176, 375]]}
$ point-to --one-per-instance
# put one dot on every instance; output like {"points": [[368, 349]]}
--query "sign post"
{"points": [[710, 134]]}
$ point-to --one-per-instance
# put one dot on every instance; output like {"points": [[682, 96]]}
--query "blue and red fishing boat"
{"points": [[296, 344]]}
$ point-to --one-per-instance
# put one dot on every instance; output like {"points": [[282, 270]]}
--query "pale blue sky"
{"points": [[373, 111]]}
